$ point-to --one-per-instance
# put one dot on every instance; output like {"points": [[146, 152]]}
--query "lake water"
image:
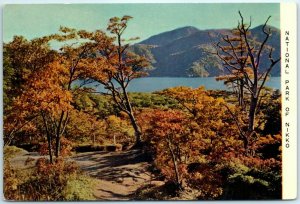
{"points": [[150, 84]]}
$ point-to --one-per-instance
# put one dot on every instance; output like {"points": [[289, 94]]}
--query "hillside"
{"points": [[173, 53]]}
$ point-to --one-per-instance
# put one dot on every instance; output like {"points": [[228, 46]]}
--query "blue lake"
{"points": [[150, 84]]}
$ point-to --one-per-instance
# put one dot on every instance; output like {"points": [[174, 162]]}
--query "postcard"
{"points": [[149, 101]]}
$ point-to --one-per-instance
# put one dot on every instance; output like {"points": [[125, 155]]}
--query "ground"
{"points": [[118, 174]]}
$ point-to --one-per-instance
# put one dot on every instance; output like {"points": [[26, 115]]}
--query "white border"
{"points": [[3, 2], [288, 26]]}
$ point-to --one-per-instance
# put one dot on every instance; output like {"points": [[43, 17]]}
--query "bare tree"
{"points": [[242, 58]]}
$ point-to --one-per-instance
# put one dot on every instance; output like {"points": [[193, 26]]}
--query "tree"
{"points": [[253, 78], [69, 65], [168, 132], [191, 142], [44, 97], [114, 66], [21, 58], [233, 52], [117, 129], [84, 127], [46, 89], [209, 119]]}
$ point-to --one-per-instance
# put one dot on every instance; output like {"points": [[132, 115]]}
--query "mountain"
{"points": [[174, 52], [169, 36]]}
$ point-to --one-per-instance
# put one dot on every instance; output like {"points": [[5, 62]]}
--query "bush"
{"points": [[250, 182], [75, 188], [12, 177], [49, 182], [10, 181]]}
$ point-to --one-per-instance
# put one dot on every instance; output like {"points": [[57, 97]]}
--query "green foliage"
{"points": [[8, 76], [84, 128], [249, 182], [151, 100], [76, 188], [96, 104], [118, 130], [101, 105]]}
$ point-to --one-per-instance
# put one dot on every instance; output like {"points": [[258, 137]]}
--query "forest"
{"points": [[197, 144]]}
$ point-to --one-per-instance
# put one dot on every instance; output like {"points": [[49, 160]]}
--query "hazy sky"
{"points": [[149, 19]]}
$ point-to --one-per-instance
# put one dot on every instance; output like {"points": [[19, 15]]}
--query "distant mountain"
{"points": [[170, 36], [173, 53]]}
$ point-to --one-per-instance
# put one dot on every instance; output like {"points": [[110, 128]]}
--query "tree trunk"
{"points": [[137, 131], [178, 183], [245, 142], [58, 133], [57, 146], [241, 95], [49, 138], [49, 148], [253, 106]]}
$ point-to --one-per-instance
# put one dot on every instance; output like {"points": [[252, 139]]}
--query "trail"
{"points": [[118, 174]]}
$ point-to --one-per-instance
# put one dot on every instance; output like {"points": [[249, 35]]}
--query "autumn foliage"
{"points": [[203, 143], [196, 145]]}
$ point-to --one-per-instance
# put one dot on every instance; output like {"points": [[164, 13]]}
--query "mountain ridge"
{"points": [[173, 53], [181, 31]]}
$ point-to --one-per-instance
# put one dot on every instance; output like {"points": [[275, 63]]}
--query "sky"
{"points": [[148, 19]]}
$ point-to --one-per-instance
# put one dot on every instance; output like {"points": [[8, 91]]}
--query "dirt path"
{"points": [[118, 174]]}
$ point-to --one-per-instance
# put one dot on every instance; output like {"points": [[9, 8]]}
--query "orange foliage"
{"points": [[66, 147], [84, 127], [44, 92], [167, 135], [210, 125]]}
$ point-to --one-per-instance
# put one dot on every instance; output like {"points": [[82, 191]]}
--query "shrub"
{"points": [[256, 180], [49, 182], [205, 179], [12, 178], [75, 188]]}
